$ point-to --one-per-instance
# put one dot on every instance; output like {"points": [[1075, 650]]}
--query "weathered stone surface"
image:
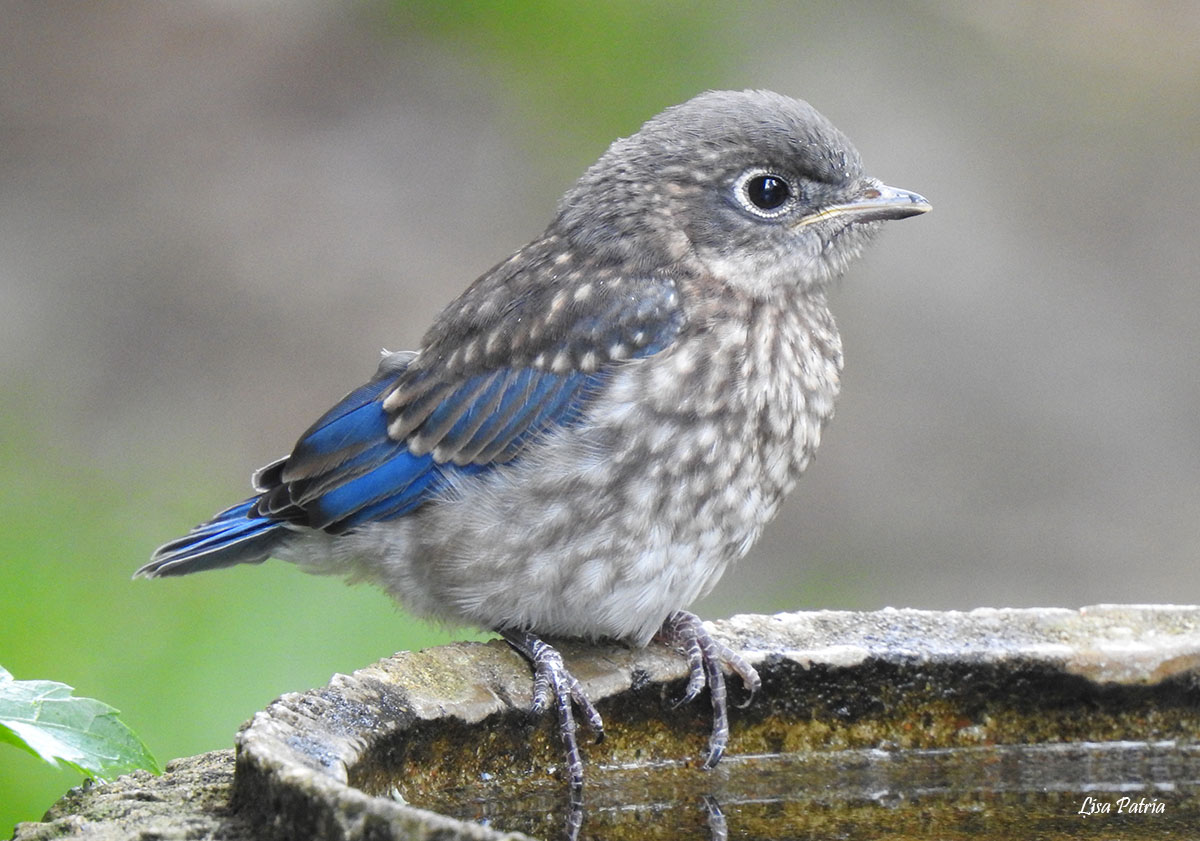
{"points": [[189, 801], [439, 726]]}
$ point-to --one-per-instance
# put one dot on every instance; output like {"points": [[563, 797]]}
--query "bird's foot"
{"points": [[705, 656], [554, 684]]}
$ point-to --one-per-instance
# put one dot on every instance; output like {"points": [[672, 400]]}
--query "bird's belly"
{"points": [[607, 526]]}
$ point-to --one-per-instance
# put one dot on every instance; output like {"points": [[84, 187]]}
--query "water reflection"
{"points": [[1062, 791]]}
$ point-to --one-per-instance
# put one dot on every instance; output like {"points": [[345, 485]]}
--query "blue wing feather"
{"points": [[383, 479], [550, 403], [400, 480], [343, 431]]}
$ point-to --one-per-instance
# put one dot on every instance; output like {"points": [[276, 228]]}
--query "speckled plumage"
{"points": [[598, 426]]}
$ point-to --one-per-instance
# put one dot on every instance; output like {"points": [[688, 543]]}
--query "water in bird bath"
{"points": [[1090, 790]]}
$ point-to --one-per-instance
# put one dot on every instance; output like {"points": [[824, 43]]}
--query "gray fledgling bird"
{"points": [[590, 434]]}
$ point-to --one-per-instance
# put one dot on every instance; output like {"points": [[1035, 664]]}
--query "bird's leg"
{"points": [[718, 829], [553, 683], [705, 656]]}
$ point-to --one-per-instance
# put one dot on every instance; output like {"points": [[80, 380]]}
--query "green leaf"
{"points": [[42, 717]]}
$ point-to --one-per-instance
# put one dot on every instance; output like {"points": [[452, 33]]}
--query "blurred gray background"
{"points": [[213, 215]]}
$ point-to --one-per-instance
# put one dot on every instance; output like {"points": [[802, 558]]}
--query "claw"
{"points": [[705, 656], [742, 668], [695, 657], [554, 684]]}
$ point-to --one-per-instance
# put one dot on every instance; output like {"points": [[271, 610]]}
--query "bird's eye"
{"points": [[765, 193], [768, 192]]}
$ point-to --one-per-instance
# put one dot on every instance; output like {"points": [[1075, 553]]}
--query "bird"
{"points": [[597, 427]]}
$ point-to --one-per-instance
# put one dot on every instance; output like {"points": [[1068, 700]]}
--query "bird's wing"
{"points": [[483, 389]]}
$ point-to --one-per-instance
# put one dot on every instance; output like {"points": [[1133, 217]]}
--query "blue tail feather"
{"points": [[231, 537]]}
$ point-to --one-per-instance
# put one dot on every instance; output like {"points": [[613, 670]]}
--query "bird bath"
{"points": [[898, 723]]}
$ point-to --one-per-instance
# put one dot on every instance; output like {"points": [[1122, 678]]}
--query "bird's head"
{"points": [[759, 188]]}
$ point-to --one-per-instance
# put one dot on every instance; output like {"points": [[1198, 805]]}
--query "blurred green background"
{"points": [[213, 215]]}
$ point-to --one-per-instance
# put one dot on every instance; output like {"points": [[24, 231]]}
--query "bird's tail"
{"points": [[231, 537]]}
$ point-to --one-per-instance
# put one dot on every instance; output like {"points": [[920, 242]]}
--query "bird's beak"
{"points": [[874, 201]]}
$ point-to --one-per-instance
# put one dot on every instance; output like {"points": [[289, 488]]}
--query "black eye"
{"points": [[768, 192], [765, 193]]}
